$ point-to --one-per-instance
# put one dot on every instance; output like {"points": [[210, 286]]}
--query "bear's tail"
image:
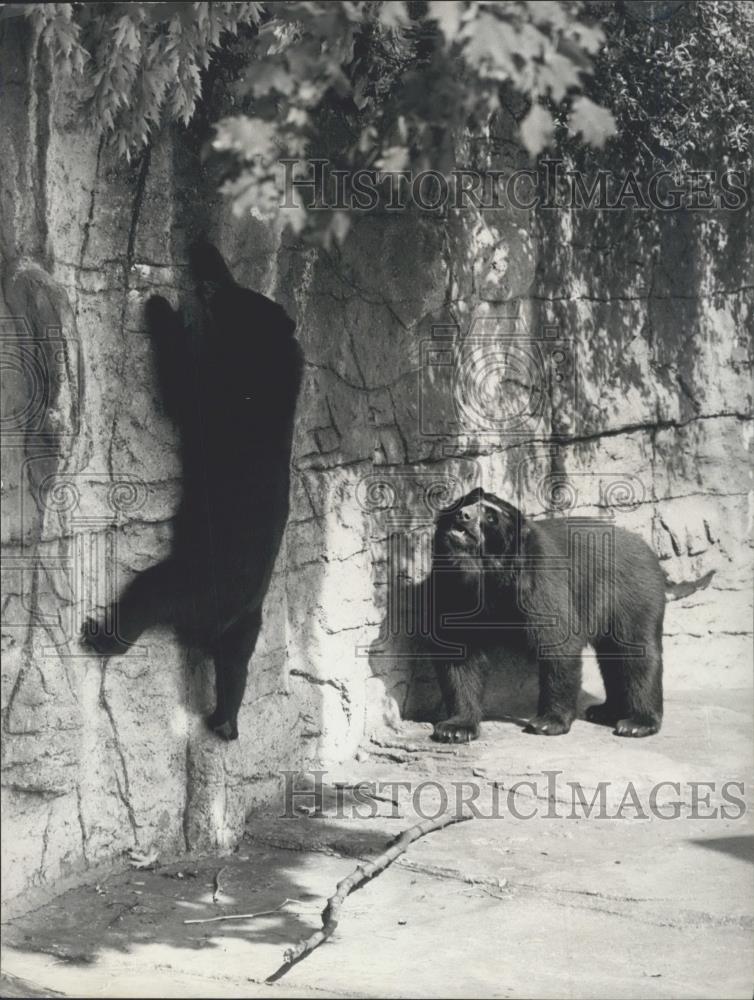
{"points": [[676, 591], [207, 264]]}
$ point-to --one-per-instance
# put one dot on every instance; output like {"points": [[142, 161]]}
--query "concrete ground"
{"points": [[538, 901]]}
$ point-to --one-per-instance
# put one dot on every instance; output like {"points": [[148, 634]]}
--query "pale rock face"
{"points": [[101, 758]]}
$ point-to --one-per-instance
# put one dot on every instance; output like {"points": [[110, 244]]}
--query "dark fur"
{"points": [[537, 582], [233, 394]]}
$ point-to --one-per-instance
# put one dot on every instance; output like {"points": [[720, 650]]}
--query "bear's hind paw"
{"points": [[548, 725], [97, 638], [224, 729], [637, 726]]}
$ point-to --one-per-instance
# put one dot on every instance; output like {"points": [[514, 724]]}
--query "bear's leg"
{"points": [[633, 690], [559, 687], [462, 687], [232, 654], [170, 341], [150, 599], [613, 677]]}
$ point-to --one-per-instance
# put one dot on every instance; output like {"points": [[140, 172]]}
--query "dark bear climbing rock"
{"points": [[554, 586], [232, 388]]}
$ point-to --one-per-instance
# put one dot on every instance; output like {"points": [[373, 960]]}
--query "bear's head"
{"points": [[478, 526], [236, 311]]}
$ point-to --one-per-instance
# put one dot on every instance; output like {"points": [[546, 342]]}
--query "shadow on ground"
{"points": [[137, 907], [534, 898]]}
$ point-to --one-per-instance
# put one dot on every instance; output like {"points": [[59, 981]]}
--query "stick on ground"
{"points": [[358, 877], [240, 916]]}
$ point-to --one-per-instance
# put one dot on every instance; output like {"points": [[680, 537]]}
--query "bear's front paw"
{"points": [[159, 312], [455, 730], [224, 728], [637, 726], [100, 639], [548, 725], [207, 264]]}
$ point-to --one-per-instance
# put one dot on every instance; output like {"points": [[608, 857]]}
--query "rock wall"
{"points": [[433, 349], [646, 420], [103, 758], [659, 310]]}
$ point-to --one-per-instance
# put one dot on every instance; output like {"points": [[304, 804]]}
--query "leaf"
{"points": [[595, 123], [558, 74], [340, 224], [297, 117], [491, 47], [393, 159], [393, 14], [448, 14], [270, 75], [590, 38], [537, 129], [246, 136]]}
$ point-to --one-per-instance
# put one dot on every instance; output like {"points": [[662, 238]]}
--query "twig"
{"points": [[391, 755], [241, 916], [358, 877], [129, 908], [386, 744], [365, 786], [217, 889]]}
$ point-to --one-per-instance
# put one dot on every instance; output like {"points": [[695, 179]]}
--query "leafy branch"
{"points": [[135, 65], [391, 86]]}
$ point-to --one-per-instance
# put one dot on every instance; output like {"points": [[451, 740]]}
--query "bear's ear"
{"points": [[495, 501], [475, 496], [506, 510], [207, 264]]}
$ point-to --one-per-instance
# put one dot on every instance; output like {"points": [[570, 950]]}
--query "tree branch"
{"points": [[362, 874]]}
